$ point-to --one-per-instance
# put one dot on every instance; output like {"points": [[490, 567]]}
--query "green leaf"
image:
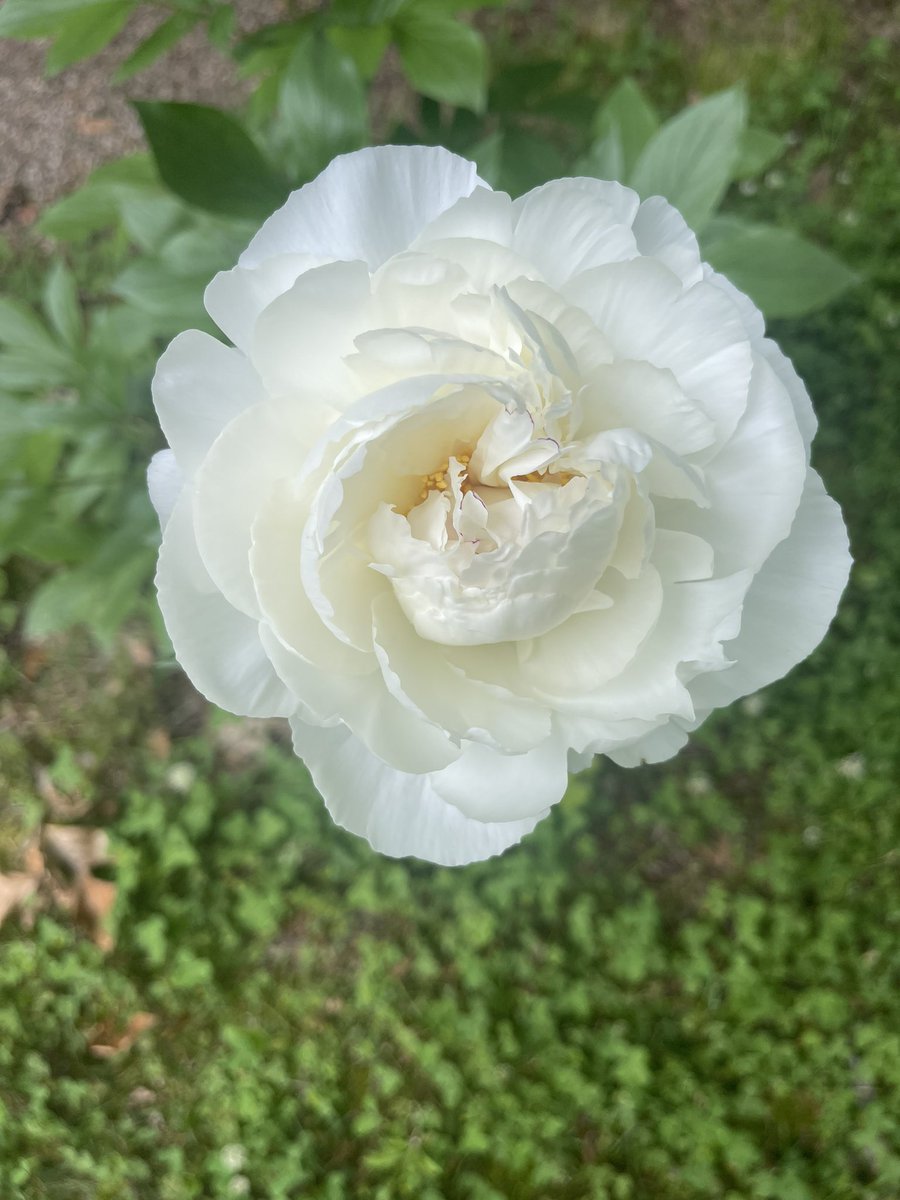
{"points": [[162, 39], [103, 589], [207, 157], [758, 150], [782, 272], [691, 159], [23, 332], [62, 306], [86, 32], [322, 107], [442, 58], [630, 116], [605, 159], [175, 301], [37, 18], [97, 203], [516, 160], [364, 45], [363, 12], [220, 27]]}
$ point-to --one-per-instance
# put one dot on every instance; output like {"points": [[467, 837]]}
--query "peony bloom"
{"points": [[484, 488]]}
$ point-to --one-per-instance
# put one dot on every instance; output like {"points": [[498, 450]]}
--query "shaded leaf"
{"points": [[162, 39], [61, 304], [86, 32], [629, 116], [36, 18], [758, 150], [322, 107], [443, 58], [782, 272], [207, 157], [690, 160]]}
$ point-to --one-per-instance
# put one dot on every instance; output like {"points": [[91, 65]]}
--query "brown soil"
{"points": [[53, 132]]}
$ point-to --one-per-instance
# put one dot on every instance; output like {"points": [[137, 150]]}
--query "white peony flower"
{"points": [[484, 488]]}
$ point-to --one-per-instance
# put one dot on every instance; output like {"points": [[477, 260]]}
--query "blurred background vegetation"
{"points": [[684, 985]]}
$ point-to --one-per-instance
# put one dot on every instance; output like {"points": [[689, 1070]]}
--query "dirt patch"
{"points": [[53, 132]]}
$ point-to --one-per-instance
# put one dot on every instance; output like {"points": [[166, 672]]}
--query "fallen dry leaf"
{"points": [[81, 850], [15, 889], [113, 1044], [59, 803]]}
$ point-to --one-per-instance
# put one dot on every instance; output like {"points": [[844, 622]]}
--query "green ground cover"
{"points": [[683, 986]]}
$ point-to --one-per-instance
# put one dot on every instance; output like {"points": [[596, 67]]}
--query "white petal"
{"points": [[647, 398], [389, 731], [275, 568], [790, 604], [754, 484], [419, 674], [199, 386], [643, 312], [483, 214], [165, 479], [399, 814], [217, 646], [656, 746], [586, 651], [796, 388], [662, 233], [300, 341], [489, 786], [367, 205], [243, 465], [570, 225], [235, 298]]}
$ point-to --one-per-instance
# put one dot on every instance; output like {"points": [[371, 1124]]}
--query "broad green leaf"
{"points": [[162, 39], [630, 116], [691, 159], [220, 27], [759, 149], [62, 306], [96, 204], [442, 58], [24, 371], [207, 157], [517, 160], [322, 107], [148, 215], [23, 333], [174, 301], [605, 159], [86, 32], [487, 155], [782, 272], [363, 12], [37, 18], [99, 593], [365, 45]]}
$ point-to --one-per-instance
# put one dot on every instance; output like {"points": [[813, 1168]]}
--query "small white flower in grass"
{"points": [[484, 488]]}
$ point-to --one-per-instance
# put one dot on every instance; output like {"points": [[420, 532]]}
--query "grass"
{"points": [[683, 986]]}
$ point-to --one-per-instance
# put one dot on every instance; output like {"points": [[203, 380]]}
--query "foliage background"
{"points": [[684, 984]]}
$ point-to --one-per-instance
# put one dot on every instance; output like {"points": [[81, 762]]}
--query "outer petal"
{"points": [[165, 480], [790, 604], [199, 386], [235, 298], [397, 813], [754, 484], [242, 467], [570, 225], [217, 646], [662, 233], [367, 205]]}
